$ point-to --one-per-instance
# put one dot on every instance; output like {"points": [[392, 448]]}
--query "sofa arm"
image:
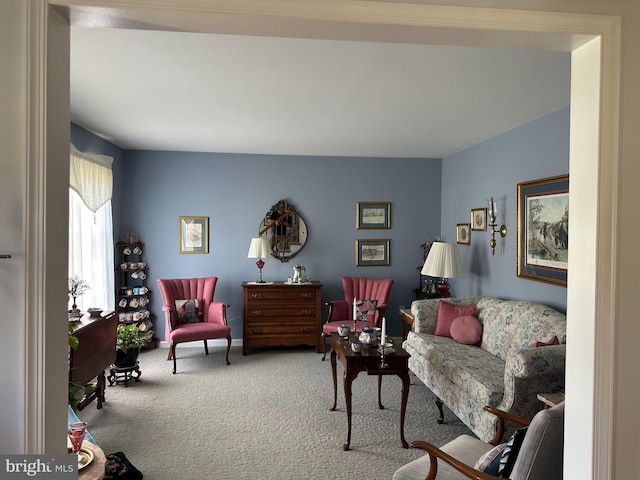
{"points": [[425, 315], [535, 362]]}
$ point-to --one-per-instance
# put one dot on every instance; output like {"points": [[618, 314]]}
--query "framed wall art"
{"points": [[373, 252], [479, 219], [463, 233], [193, 234], [373, 215], [543, 226]]}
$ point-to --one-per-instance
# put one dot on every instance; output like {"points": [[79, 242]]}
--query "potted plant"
{"points": [[130, 337], [77, 288]]}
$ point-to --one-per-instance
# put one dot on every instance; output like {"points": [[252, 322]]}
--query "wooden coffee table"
{"points": [[368, 361]]}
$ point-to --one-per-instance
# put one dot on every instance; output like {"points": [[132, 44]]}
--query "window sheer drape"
{"points": [[91, 228]]}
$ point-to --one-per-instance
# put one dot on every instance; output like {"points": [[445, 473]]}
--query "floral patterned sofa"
{"points": [[505, 370]]}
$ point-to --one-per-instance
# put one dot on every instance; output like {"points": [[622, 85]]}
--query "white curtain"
{"points": [[91, 228]]}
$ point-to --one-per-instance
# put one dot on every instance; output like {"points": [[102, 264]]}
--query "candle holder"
{"points": [[502, 231], [383, 363], [493, 213]]}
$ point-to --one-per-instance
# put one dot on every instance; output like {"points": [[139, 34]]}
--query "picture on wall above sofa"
{"points": [[543, 226]]}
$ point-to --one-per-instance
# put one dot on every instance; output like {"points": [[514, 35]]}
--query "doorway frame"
{"points": [[595, 91]]}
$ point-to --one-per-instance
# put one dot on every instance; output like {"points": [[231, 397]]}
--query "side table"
{"points": [[368, 361], [550, 400], [406, 319], [96, 469]]}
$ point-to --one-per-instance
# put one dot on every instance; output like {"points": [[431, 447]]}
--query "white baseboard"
{"points": [[218, 342]]}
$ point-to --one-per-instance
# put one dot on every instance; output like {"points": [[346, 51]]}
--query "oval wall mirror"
{"points": [[285, 229]]}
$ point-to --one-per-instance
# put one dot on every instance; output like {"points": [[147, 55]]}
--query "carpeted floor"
{"points": [[265, 416]]}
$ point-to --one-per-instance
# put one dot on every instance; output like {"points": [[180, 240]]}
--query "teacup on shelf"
{"points": [[356, 346]]}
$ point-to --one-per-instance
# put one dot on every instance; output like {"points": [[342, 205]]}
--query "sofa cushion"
{"points": [[189, 311], [490, 461], [510, 453], [466, 329], [367, 310], [447, 313], [477, 372]]}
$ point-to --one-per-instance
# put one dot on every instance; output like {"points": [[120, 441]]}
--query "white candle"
{"points": [[384, 331], [355, 309], [492, 208]]}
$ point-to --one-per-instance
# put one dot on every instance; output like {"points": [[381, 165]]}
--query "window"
{"points": [[91, 228]]}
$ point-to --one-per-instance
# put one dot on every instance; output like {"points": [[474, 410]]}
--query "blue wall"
{"points": [[536, 150], [428, 197]]}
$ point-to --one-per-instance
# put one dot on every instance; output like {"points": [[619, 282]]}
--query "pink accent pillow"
{"points": [[552, 341], [447, 313], [466, 329]]}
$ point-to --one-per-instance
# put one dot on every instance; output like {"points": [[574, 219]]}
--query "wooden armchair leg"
{"points": [[206, 348], [228, 347], [173, 354], [170, 354], [324, 346], [439, 404]]}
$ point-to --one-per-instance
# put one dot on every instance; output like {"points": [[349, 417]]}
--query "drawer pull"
{"points": [[257, 313], [307, 329], [307, 295], [306, 312], [256, 330], [256, 295]]}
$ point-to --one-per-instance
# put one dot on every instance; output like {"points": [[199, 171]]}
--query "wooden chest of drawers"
{"points": [[278, 314]]}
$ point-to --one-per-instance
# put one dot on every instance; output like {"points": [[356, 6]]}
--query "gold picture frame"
{"points": [[479, 219], [372, 252], [373, 215], [463, 233], [543, 230], [193, 234]]}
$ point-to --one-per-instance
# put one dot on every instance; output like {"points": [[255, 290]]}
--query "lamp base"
{"points": [[260, 264], [443, 288]]}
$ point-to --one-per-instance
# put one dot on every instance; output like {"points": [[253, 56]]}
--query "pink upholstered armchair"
{"points": [[191, 314], [362, 290]]}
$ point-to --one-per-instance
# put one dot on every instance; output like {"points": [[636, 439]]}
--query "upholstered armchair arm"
{"points": [[338, 310], [502, 416], [217, 313], [435, 453], [535, 362], [170, 316]]}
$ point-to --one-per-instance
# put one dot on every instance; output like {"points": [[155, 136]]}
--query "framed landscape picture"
{"points": [[372, 252], [373, 215], [463, 233], [543, 226], [193, 235]]}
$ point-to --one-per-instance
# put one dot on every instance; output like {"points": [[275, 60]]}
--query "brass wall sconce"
{"points": [[493, 213]]}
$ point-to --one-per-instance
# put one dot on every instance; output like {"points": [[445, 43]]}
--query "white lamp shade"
{"points": [[260, 248], [443, 261]]}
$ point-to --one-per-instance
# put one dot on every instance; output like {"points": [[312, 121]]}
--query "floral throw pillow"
{"points": [[489, 462], [189, 311], [367, 310]]}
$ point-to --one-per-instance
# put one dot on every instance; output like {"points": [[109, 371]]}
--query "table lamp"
{"points": [[260, 248], [443, 262]]}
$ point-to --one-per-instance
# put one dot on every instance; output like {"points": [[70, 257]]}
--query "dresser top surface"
{"points": [[281, 284]]}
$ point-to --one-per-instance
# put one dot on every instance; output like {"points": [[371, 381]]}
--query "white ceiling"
{"points": [[162, 90]]}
